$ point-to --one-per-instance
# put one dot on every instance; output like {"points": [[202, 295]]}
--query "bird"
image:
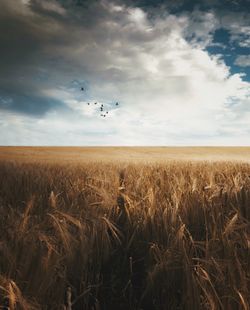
{"points": [[88, 103], [117, 103], [95, 102], [107, 112], [82, 89]]}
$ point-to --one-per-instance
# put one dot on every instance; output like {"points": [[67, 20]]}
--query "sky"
{"points": [[180, 71]]}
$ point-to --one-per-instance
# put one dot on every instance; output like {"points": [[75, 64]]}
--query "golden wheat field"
{"points": [[125, 228]]}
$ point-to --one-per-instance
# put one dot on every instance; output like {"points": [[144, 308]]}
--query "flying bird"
{"points": [[104, 113]]}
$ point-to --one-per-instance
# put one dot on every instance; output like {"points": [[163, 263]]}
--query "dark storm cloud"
{"points": [[21, 42], [176, 6], [30, 38], [19, 39], [39, 40], [29, 104]]}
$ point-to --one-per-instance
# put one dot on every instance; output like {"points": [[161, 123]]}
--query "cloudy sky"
{"points": [[179, 69]]}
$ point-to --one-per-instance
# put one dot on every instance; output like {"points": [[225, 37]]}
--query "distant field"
{"points": [[126, 154]]}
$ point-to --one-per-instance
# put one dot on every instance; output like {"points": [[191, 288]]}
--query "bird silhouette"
{"points": [[101, 106]]}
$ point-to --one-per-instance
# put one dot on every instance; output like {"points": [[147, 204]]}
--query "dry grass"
{"points": [[125, 236]]}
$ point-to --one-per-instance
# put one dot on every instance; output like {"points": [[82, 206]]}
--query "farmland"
{"points": [[124, 228], [125, 154]]}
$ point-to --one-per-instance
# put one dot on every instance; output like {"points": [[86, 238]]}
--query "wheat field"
{"points": [[125, 228]]}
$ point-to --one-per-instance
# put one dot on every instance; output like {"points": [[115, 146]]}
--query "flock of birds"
{"points": [[103, 113]]}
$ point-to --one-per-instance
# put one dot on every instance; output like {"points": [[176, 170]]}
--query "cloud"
{"points": [[30, 105], [243, 61], [237, 23], [170, 89]]}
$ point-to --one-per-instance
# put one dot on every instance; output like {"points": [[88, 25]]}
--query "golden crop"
{"points": [[173, 235]]}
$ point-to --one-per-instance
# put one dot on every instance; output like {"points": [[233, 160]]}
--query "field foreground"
{"points": [[124, 235]]}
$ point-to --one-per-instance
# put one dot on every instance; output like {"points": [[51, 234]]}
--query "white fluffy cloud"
{"points": [[170, 90]]}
